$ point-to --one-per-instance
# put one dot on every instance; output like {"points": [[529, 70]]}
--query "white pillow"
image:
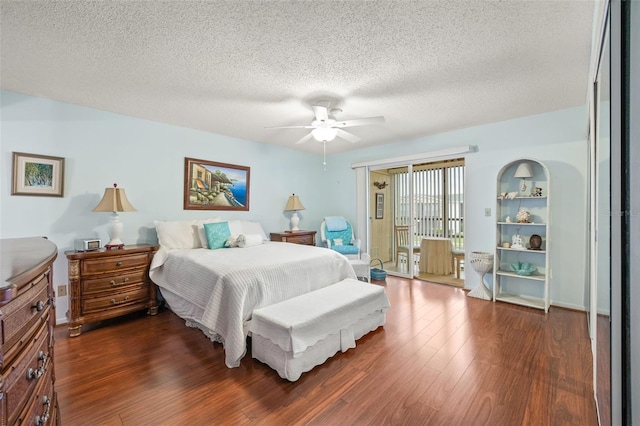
{"points": [[249, 227], [199, 225], [179, 234], [249, 240], [235, 227]]}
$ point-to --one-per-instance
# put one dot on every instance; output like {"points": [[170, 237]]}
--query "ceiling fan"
{"points": [[326, 128]]}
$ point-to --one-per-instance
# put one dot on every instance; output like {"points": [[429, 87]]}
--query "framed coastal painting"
{"points": [[209, 185], [41, 175]]}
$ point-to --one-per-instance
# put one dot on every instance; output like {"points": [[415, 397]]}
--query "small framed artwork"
{"points": [[209, 185], [379, 205], [40, 175]]}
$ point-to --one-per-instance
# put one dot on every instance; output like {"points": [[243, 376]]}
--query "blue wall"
{"points": [[147, 159]]}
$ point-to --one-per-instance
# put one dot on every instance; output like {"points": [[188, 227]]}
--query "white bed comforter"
{"points": [[228, 284]]}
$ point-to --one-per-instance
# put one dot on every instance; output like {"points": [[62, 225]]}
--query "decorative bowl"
{"points": [[523, 268]]}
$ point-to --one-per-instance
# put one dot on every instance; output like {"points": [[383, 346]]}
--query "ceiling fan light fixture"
{"points": [[324, 134]]}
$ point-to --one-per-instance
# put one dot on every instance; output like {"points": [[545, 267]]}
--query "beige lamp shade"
{"points": [[293, 204], [114, 200]]}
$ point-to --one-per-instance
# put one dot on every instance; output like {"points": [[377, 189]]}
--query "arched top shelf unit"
{"points": [[521, 262]]}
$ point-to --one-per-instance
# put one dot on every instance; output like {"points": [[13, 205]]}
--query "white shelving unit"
{"points": [[509, 286]]}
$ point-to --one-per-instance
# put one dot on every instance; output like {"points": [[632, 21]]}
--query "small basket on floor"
{"points": [[378, 273]]}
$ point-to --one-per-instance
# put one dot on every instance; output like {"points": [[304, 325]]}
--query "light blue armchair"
{"points": [[337, 234]]}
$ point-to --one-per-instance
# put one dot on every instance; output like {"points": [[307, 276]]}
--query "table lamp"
{"points": [[523, 171], [114, 200], [293, 205]]}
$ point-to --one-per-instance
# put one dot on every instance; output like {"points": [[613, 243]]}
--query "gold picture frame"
{"points": [[215, 186], [38, 175]]}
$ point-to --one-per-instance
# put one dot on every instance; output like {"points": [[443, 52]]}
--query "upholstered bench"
{"points": [[298, 334]]}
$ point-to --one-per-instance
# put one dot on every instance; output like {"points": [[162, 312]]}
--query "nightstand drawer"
{"points": [[299, 239], [113, 263], [115, 300], [113, 282]]}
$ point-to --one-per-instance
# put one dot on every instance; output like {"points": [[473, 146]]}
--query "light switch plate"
{"points": [[487, 212]]}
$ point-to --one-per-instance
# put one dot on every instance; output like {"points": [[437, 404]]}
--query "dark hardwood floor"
{"points": [[441, 359]]}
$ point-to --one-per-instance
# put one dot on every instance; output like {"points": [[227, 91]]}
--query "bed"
{"points": [[216, 290]]}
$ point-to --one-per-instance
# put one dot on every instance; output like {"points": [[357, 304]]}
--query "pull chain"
{"points": [[324, 155]]}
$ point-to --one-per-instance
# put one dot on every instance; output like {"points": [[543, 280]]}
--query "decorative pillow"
{"points": [[199, 224], [179, 234], [249, 240], [232, 241], [217, 234], [337, 242]]}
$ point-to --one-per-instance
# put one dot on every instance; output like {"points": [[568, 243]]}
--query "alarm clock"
{"points": [[88, 244]]}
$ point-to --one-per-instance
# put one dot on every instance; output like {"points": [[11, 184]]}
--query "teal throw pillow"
{"points": [[217, 234]]}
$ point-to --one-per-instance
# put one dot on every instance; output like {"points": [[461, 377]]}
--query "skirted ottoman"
{"points": [[295, 335]]}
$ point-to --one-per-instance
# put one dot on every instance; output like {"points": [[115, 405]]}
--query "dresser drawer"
{"points": [[28, 370], [113, 282], [116, 300], [114, 263], [42, 408], [20, 316]]}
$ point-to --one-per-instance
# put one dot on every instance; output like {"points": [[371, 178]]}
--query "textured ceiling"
{"points": [[236, 67]]}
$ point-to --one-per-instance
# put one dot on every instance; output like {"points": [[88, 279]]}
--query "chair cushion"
{"points": [[345, 235], [346, 249], [335, 223]]}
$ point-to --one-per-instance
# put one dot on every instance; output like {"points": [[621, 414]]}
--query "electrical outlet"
{"points": [[62, 290], [487, 212]]}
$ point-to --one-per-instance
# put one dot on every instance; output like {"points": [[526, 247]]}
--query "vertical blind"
{"points": [[438, 197]]}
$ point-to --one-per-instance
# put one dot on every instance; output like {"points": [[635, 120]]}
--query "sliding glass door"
{"points": [[419, 201]]}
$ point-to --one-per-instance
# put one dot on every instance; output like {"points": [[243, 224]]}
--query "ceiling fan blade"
{"points": [[306, 138], [360, 121], [290, 127], [347, 136], [321, 112]]}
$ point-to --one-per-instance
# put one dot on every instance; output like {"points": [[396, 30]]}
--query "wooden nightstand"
{"points": [[299, 237], [108, 283]]}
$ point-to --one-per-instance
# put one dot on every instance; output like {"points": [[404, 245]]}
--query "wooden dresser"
{"points": [[297, 237], [108, 283], [27, 317]]}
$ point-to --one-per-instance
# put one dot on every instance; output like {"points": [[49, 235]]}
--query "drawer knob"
{"points": [[40, 420], [34, 374], [119, 263], [115, 284], [39, 306], [38, 372]]}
